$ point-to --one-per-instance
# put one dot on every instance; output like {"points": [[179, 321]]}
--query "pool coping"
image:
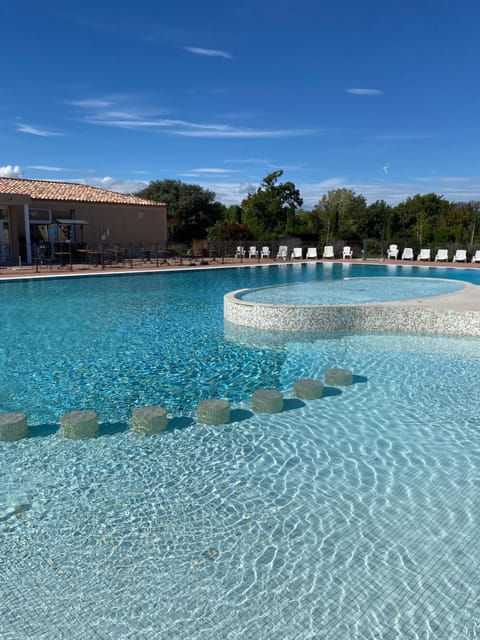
{"points": [[454, 313]]}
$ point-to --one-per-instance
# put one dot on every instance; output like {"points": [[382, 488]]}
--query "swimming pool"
{"points": [[352, 516]]}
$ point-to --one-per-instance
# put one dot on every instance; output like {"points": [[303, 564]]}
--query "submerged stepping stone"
{"points": [[147, 421], [79, 424], [213, 411], [338, 377], [267, 401], [13, 426], [308, 389]]}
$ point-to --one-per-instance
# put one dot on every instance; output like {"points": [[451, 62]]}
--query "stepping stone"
{"points": [[308, 389], [213, 411], [13, 426], [338, 377], [147, 421], [79, 424], [267, 401]]}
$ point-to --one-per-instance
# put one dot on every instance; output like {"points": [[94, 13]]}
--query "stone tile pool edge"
{"points": [[456, 313]]}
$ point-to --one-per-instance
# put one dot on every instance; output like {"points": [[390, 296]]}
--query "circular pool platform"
{"points": [[397, 304]]}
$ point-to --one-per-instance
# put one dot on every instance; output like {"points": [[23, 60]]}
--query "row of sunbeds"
{"points": [[296, 254], [441, 255], [347, 253]]}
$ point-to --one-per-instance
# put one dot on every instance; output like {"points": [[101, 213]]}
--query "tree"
{"points": [[342, 214], [271, 208], [191, 208], [418, 217]]}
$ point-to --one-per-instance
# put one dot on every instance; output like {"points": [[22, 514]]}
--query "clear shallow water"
{"points": [[351, 291], [353, 516]]}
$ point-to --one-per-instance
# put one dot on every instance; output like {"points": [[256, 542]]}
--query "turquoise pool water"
{"points": [[353, 516], [351, 291]]}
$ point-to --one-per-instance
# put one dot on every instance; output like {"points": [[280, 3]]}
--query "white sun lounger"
{"points": [[297, 253], [460, 255], [424, 254], [328, 252], [442, 255]]}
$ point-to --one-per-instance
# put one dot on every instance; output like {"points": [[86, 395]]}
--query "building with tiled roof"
{"points": [[36, 212]]}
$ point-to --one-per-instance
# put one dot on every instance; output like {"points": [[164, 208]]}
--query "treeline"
{"points": [[274, 211]]}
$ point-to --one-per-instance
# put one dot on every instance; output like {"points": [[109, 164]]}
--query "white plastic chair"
{"points": [[442, 255], [297, 253], [240, 252], [347, 253], [392, 251], [424, 254], [282, 252], [460, 255], [476, 256], [407, 253], [328, 252], [312, 253], [252, 252], [265, 252]]}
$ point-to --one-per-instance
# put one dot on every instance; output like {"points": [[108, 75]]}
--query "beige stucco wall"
{"points": [[125, 223], [106, 223]]}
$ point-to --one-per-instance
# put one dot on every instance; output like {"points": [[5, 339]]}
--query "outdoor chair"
{"points": [[476, 256], [407, 253], [442, 255], [392, 251], [328, 252], [240, 252], [347, 253], [312, 253], [424, 254], [297, 253], [282, 252], [460, 255], [265, 252], [252, 252]]}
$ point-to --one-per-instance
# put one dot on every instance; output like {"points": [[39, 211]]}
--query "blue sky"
{"points": [[382, 97]]}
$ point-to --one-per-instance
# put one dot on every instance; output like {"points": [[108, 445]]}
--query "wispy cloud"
{"points": [[216, 53], [44, 167], [403, 136], [129, 185], [364, 92], [35, 131], [91, 103], [129, 119], [248, 161], [224, 131], [213, 170], [10, 171]]}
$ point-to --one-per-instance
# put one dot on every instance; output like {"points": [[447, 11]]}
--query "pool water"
{"points": [[351, 291], [352, 516]]}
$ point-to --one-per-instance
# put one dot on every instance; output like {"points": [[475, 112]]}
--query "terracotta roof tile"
{"points": [[69, 191]]}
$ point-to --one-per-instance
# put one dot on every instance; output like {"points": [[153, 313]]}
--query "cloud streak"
{"points": [[215, 53], [134, 121], [35, 131], [364, 92]]}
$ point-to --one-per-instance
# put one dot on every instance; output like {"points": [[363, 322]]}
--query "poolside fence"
{"points": [[78, 256]]}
